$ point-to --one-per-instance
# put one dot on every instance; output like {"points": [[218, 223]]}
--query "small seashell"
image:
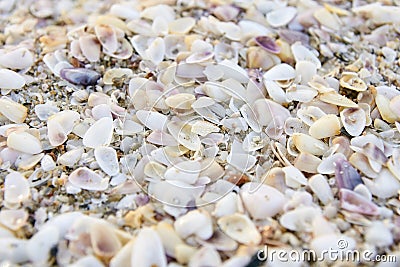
{"points": [[226, 12], [306, 143], [80, 76], [152, 120], [156, 50], [384, 186], [351, 81], [281, 72], [351, 201], [306, 70], [346, 176], [106, 34], [183, 134], [240, 228], [99, 134], [354, 120], [24, 142], [275, 92], [11, 80], [301, 53], [361, 162], [282, 16], [328, 164], [104, 241], [307, 163], [44, 111], [301, 93], [106, 157], [383, 104], [186, 171], [13, 219], [337, 99], [206, 256], [70, 158], [327, 19], [47, 163], [19, 58], [90, 47], [113, 75], [294, 177], [60, 125], [261, 201], [268, 44], [319, 185], [204, 128], [180, 101], [300, 219], [16, 189], [87, 179], [196, 222], [181, 25], [254, 141], [326, 126], [13, 111]]}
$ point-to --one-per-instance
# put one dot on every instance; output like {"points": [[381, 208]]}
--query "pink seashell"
{"points": [[268, 44], [354, 202]]}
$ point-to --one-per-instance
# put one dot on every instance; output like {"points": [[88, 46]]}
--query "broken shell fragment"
{"points": [[346, 176], [80, 76], [268, 44], [351, 201], [148, 250], [353, 82], [12, 110], [354, 120], [16, 189], [24, 142], [240, 228]]}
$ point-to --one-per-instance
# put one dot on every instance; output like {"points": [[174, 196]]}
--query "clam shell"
{"points": [[16, 189], [294, 177], [116, 74], [240, 228], [99, 134], [346, 176], [196, 222], [268, 44], [24, 142], [261, 201], [326, 126], [19, 58], [11, 80], [337, 99], [180, 101], [60, 125], [327, 19], [90, 47], [107, 37], [282, 16], [12, 110], [182, 132], [354, 120], [181, 25], [301, 53], [307, 163], [87, 179], [106, 157]]}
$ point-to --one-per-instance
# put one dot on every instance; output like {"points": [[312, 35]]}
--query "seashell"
{"points": [[268, 44], [19, 58], [226, 12], [47, 163], [254, 141], [354, 120], [280, 72], [13, 219], [326, 19], [293, 177], [242, 162], [351, 201], [181, 25], [307, 163], [80, 76], [292, 37], [384, 186], [148, 250], [107, 36], [301, 53], [90, 47], [87, 179], [326, 126], [152, 120], [180, 101], [60, 125], [154, 170], [196, 222], [337, 99], [206, 256], [99, 134], [124, 11], [375, 155], [300, 219], [182, 132], [378, 234], [227, 205], [240, 228], [113, 75], [11, 80], [266, 111], [124, 50], [275, 92], [186, 171], [281, 16], [39, 246], [230, 30], [261, 201], [104, 240], [70, 158], [328, 164], [161, 138], [106, 157], [44, 111], [300, 93], [89, 260], [306, 70], [319, 185], [346, 176], [169, 238], [156, 50], [12, 110], [306, 143], [351, 81], [361, 162], [101, 111], [16, 189], [383, 105], [24, 142], [204, 128], [16, 252], [259, 58]]}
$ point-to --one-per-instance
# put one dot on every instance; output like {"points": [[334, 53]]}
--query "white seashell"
{"points": [[112, 75], [47, 163], [300, 219], [233, 71], [230, 30], [39, 246], [306, 143], [44, 111], [319, 185], [301, 93], [327, 19], [266, 111], [307, 163], [124, 50], [227, 205], [183, 134], [181, 25], [281, 72], [154, 170], [99, 134], [104, 240], [153, 11], [13, 111], [13, 219], [196, 222], [204, 128], [337, 99], [186, 171], [70, 158], [148, 249], [281, 17], [293, 177], [16, 189], [169, 238], [301, 53], [327, 166], [101, 111], [242, 162], [240, 228], [326, 126], [249, 116], [107, 36], [180, 101], [385, 185], [88, 260], [16, 251], [378, 234], [156, 50], [251, 29], [306, 70], [330, 241], [124, 11], [383, 104], [276, 92], [60, 125], [87, 179], [261, 201], [11, 80], [254, 141], [206, 256], [90, 47], [351, 81], [24, 142], [152, 120], [106, 157], [354, 120], [20, 58]]}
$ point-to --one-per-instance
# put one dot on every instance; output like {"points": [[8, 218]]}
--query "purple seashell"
{"points": [[142, 199], [268, 44], [80, 76], [294, 36], [351, 201], [346, 176]]}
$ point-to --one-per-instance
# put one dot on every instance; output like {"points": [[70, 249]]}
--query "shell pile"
{"points": [[193, 133]]}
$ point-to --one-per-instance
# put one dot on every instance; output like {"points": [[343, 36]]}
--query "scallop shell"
{"points": [[16, 189], [12, 110], [11, 80], [99, 134], [240, 228], [106, 157], [87, 179]]}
